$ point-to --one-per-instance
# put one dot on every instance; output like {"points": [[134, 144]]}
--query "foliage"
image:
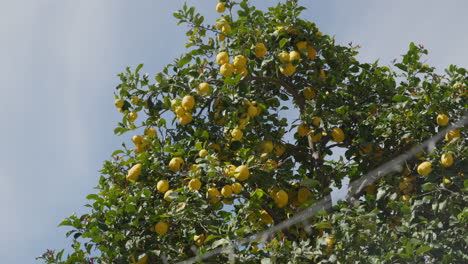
{"points": [[371, 112]]}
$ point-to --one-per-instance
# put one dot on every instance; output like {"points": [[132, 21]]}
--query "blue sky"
{"points": [[58, 66]]}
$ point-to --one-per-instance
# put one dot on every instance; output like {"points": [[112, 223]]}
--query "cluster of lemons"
{"points": [[337, 134], [227, 69], [182, 108]]}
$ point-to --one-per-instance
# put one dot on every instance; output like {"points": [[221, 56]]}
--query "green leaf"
{"points": [[323, 225], [422, 249], [184, 60], [283, 42]]}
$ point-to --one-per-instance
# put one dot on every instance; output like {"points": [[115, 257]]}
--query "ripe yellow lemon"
{"points": [[226, 191], [199, 239], [303, 130], [301, 45], [137, 140], [446, 159], [442, 119], [180, 111], [185, 118], [239, 62], [330, 241], [425, 168], [294, 55], [203, 153], [236, 187], [338, 135], [134, 172], [311, 53], [176, 164], [226, 70], [220, 7], [119, 103], [316, 121], [162, 186], [194, 184], [135, 100], [449, 136], [161, 228], [214, 195], [309, 93], [204, 88], [252, 111], [167, 196], [132, 116], [260, 50], [236, 134], [284, 57], [226, 28], [315, 137], [242, 173], [303, 194], [151, 132], [446, 181], [266, 146], [279, 149], [281, 198], [188, 102], [265, 217], [221, 37], [288, 70], [222, 58], [405, 198]]}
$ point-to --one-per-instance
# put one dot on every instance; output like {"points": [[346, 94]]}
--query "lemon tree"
{"points": [[214, 157]]}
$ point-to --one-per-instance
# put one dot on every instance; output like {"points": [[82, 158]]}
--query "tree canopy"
{"points": [[219, 158]]}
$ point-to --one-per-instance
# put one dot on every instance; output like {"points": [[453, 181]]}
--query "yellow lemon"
{"points": [[315, 137], [266, 146], [265, 217], [239, 61], [330, 241], [281, 198], [260, 50], [446, 159], [294, 55], [162, 186], [284, 57], [301, 45], [236, 134], [446, 181], [303, 130], [180, 111], [214, 195], [215, 146], [252, 111], [288, 70], [188, 102], [311, 53], [442, 119], [176, 164], [199, 239], [135, 100], [236, 187], [279, 149], [119, 103], [194, 184], [309, 93], [303, 194], [449, 136], [137, 140], [132, 116], [316, 121], [151, 132], [226, 28], [405, 198], [222, 58], [134, 172], [242, 173], [338, 135], [204, 88], [221, 37], [203, 153], [425, 168], [161, 228], [220, 7], [226, 70], [229, 170], [226, 191], [185, 118]]}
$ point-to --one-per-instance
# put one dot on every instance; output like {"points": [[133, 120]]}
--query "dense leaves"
{"points": [[218, 158]]}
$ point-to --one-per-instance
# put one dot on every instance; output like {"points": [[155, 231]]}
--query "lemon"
{"points": [[442, 119], [284, 57], [194, 184], [215, 146], [316, 121], [338, 135], [226, 70], [405, 198], [151, 132], [303, 130], [311, 53], [281, 198], [229, 170], [309, 93], [270, 165], [214, 195], [135, 100], [242, 173], [294, 55], [161, 228], [132, 116], [162, 186], [266, 146], [236, 187], [239, 61], [180, 111], [221, 37], [185, 118], [167, 196], [176, 164], [252, 111], [446, 181], [452, 134], [446, 159], [330, 241], [241, 71], [303, 194], [199, 239], [142, 260], [220, 7], [137, 140], [301, 45], [222, 58], [288, 70], [204, 88], [236, 134], [226, 191], [119, 103], [265, 217], [134, 172], [260, 50], [425, 168], [279, 149], [188, 102], [322, 75], [203, 153], [226, 28]]}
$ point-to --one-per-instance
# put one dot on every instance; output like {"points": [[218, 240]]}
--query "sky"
{"points": [[58, 65]]}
